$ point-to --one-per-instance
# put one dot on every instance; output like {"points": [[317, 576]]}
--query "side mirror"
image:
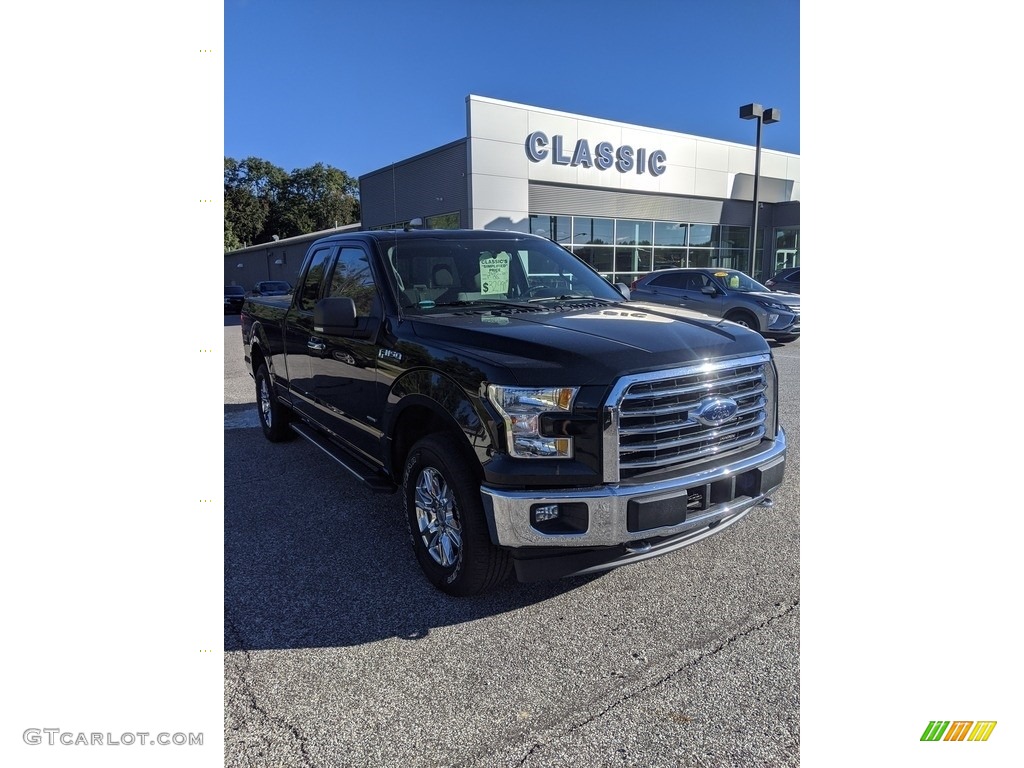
{"points": [[623, 289], [710, 290], [334, 316]]}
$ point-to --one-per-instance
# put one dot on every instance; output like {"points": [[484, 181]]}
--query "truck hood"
{"points": [[592, 344]]}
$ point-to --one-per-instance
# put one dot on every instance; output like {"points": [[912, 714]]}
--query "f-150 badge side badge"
{"points": [[389, 354]]}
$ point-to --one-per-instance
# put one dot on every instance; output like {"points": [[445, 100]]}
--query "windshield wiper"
{"points": [[568, 296]]}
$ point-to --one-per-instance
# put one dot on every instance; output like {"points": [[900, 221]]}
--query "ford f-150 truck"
{"points": [[531, 416]]}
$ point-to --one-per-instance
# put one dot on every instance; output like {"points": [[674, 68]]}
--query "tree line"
{"points": [[262, 200]]}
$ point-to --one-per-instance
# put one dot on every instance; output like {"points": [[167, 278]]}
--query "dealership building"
{"points": [[625, 198]]}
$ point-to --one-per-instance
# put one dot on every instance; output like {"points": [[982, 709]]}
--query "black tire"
{"points": [[274, 417], [447, 527]]}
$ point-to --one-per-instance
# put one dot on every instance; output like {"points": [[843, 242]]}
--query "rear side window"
{"points": [[672, 280], [314, 279]]}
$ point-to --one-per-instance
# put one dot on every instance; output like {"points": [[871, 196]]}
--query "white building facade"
{"points": [[625, 198]]}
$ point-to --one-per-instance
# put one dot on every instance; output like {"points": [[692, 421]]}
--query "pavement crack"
{"points": [[247, 692], [530, 752], [557, 732]]}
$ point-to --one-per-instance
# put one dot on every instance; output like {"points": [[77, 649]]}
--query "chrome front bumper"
{"points": [[611, 507]]}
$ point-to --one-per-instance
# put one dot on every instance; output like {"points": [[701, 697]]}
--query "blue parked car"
{"points": [[725, 293]]}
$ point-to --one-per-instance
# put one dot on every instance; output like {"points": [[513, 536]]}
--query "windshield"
{"points": [[234, 290], [430, 274], [737, 281]]}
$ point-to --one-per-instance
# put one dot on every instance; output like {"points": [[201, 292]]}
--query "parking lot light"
{"points": [[763, 117]]}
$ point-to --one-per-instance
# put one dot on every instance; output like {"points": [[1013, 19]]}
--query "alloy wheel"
{"points": [[265, 404], [437, 518]]}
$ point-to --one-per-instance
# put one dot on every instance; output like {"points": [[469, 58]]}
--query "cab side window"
{"points": [[352, 278], [314, 279]]}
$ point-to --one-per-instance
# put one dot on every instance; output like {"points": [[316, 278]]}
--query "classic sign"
{"points": [[603, 156]]}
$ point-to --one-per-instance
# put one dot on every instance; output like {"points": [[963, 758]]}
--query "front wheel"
{"points": [[446, 520], [744, 319], [274, 417]]}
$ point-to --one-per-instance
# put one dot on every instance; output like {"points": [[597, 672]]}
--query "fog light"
{"points": [[772, 319], [563, 519], [545, 513]]}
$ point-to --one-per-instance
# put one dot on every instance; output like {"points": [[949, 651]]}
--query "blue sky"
{"points": [[359, 85]]}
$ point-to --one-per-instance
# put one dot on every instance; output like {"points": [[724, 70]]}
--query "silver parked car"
{"points": [[725, 293]]}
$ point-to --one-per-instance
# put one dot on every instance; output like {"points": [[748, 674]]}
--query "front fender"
{"points": [[442, 405]]}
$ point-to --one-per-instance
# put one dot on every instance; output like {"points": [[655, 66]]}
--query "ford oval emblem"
{"points": [[714, 411]]}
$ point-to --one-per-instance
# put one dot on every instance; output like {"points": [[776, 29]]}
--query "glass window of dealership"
{"points": [[625, 249]]}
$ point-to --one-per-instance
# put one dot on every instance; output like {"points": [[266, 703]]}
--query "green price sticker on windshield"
{"points": [[494, 274]]}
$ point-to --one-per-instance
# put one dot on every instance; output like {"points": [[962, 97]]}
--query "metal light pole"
{"points": [[766, 117]]}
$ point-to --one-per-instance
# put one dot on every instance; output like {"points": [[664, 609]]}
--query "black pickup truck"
{"points": [[532, 417]]}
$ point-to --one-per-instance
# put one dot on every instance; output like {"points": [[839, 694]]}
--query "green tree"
{"points": [[231, 241], [262, 200], [251, 190], [318, 197]]}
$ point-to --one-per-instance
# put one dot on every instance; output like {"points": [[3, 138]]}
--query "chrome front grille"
{"points": [[662, 417]]}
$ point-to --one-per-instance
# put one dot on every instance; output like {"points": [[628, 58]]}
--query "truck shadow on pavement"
{"points": [[314, 559]]}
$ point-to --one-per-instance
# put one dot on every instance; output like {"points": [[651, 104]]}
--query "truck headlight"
{"points": [[521, 409], [771, 392]]}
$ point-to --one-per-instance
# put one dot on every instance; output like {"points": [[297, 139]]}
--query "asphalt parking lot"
{"points": [[339, 653]]}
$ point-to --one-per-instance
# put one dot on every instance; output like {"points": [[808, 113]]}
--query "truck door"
{"points": [[298, 334], [344, 368]]}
